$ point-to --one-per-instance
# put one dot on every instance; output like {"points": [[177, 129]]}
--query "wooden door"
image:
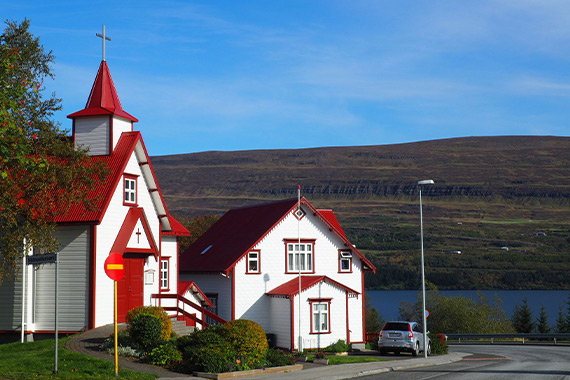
{"points": [[130, 287]]}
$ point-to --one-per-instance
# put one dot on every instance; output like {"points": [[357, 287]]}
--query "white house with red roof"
{"points": [[287, 266], [130, 217]]}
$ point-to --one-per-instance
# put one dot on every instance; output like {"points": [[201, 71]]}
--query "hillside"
{"points": [[490, 192]]}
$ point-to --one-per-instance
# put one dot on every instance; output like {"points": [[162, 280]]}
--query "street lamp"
{"points": [[421, 183]]}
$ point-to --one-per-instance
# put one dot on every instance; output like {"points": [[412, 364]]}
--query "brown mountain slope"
{"points": [[490, 192]]}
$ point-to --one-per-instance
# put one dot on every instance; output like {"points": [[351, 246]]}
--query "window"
{"points": [[300, 256], [253, 262], [320, 316], [130, 190], [164, 264], [213, 297], [345, 262]]}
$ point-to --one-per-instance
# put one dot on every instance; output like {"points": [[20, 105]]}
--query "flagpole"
{"points": [[300, 343]]}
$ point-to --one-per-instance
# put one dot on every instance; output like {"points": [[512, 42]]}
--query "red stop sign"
{"points": [[114, 266]]}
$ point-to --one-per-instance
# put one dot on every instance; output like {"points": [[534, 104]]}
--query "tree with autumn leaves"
{"points": [[41, 173]]}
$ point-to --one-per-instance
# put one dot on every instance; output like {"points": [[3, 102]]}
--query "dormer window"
{"points": [[130, 190]]}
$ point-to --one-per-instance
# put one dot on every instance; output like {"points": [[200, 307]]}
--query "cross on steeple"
{"points": [[103, 37]]}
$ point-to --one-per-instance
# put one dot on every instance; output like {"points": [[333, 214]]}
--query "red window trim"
{"points": [[297, 216], [340, 270], [134, 178], [320, 300], [167, 259], [247, 271], [303, 241]]}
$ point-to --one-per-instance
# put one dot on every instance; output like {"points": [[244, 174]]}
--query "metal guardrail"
{"points": [[497, 337]]}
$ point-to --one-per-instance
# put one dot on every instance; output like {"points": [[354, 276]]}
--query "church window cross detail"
{"points": [[138, 233]]}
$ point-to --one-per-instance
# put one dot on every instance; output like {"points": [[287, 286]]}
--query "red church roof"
{"points": [[116, 162], [103, 99], [240, 229], [291, 287]]}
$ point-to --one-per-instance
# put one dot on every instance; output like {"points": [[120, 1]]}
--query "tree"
{"points": [[561, 326], [373, 320], [197, 227], [522, 318], [542, 321], [41, 173], [458, 314]]}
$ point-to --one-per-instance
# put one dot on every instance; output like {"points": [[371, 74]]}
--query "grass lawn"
{"points": [[35, 360], [333, 359]]}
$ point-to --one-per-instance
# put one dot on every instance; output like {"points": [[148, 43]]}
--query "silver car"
{"points": [[398, 336]]}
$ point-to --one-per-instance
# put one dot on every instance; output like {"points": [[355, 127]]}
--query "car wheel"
{"points": [[416, 350], [429, 349]]}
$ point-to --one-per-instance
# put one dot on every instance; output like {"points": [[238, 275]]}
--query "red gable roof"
{"points": [[116, 162], [103, 99], [291, 287], [184, 286], [232, 235], [240, 229], [331, 218]]}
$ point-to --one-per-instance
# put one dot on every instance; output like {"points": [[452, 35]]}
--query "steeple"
{"points": [[103, 99], [100, 124]]}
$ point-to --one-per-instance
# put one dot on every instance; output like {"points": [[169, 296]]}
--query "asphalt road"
{"points": [[497, 362]]}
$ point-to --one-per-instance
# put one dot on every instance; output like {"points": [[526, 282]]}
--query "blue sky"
{"points": [[269, 74]]}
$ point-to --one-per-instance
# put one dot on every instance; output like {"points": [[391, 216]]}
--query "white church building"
{"points": [[130, 217]]}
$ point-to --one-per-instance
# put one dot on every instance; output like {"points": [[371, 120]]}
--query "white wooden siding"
{"points": [[251, 301], [106, 234], [218, 284], [120, 125], [73, 283], [93, 132], [280, 316]]}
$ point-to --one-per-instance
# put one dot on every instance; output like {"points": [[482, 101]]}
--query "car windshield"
{"points": [[399, 326]]}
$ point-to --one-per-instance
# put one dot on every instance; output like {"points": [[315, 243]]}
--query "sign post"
{"points": [[114, 268]]}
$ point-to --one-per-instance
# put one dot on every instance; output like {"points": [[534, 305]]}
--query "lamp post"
{"points": [[421, 183]]}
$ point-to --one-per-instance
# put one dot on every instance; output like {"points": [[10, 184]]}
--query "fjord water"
{"points": [[387, 302]]}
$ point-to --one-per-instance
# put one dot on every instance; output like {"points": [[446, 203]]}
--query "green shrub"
{"points": [[146, 330], [277, 358], [437, 346], [339, 346], [124, 340], [210, 336], [246, 339], [212, 359], [165, 354], [160, 314]]}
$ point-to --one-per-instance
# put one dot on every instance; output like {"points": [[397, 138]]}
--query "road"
{"points": [[497, 362]]}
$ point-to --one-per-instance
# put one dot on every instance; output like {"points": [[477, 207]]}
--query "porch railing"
{"points": [[184, 307]]}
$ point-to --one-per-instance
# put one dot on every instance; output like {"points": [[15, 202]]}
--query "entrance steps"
{"points": [[180, 328]]}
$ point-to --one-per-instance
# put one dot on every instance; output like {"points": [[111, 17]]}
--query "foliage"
{"points": [[458, 314], [339, 346], [235, 346], [246, 338], [34, 360], [124, 340], [159, 312], [319, 355], [522, 318], [277, 358], [373, 320], [42, 174], [145, 330], [165, 354], [438, 347], [197, 227], [542, 321], [561, 325]]}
